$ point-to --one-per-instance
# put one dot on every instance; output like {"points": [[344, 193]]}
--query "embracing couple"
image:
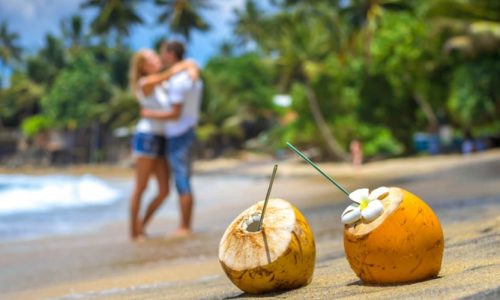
{"points": [[168, 90]]}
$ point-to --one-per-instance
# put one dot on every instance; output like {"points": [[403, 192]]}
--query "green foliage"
{"points": [[72, 31], [119, 60], [236, 85], [122, 110], [466, 9], [378, 141], [35, 124], [183, 16], [207, 132], [378, 71], [80, 93], [113, 16], [397, 51], [248, 26], [22, 98], [46, 65], [9, 49], [475, 93]]}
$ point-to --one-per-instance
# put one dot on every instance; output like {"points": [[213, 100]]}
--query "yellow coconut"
{"points": [[280, 256], [404, 244]]}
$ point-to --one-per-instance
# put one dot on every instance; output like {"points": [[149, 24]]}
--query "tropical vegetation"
{"points": [[379, 71]]}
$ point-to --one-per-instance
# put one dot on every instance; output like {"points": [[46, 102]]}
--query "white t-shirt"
{"points": [[155, 101], [181, 89]]}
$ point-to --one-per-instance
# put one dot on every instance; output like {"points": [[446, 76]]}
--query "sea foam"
{"points": [[24, 194]]}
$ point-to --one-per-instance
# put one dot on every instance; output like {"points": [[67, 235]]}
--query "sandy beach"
{"points": [[103, 264]]}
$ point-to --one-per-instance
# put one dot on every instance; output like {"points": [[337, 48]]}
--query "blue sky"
{"points": [[33, 19]]}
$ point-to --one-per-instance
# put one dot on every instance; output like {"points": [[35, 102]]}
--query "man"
{"points": [[184, 98]]}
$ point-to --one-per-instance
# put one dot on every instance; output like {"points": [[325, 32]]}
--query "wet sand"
{"points": [[463, 191]]}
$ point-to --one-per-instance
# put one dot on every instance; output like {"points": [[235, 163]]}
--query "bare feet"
{"points": [[140, 238], [181, 232]]}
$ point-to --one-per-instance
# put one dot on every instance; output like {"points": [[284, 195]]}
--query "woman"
{"points": [[149, 144]]}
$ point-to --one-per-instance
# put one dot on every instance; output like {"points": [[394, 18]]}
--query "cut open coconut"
{"points": [[280, 256], [404, 244]]}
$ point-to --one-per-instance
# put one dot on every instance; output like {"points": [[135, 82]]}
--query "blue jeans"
{"points": [[179, 152], [148, 144]]}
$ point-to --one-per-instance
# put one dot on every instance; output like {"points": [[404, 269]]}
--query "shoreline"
{"points": [[259, 165], [463, 191]]}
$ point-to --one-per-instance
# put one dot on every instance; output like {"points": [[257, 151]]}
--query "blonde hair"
{"points": [[136, 64]]}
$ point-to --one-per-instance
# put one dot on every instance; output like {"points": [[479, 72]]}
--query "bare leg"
{"points": [[186, 213], [144, 168], [162, 174]]}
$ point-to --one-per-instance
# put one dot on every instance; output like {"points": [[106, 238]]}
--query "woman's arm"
{"points": [[171, 115], [149, 82]]}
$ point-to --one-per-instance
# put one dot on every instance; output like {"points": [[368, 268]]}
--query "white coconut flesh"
{"points": [[243, 247], [391, 202]]}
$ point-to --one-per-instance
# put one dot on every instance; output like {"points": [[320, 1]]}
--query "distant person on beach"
{"points": [[356, 152], [149, 142], [184, 97], [468, 144]]}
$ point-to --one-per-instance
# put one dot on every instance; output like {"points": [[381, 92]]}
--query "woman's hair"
{"points": [[135, 71]]}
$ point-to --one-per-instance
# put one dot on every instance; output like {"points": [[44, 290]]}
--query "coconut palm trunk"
{"points": [[332, 145], [428, 112], [94, 142]]}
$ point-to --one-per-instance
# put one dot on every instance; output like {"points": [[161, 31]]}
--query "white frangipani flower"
{"points": [[367, 207]]}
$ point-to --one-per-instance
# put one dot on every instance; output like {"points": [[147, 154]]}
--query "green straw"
{"points": [[317, 168], [267, 197]]}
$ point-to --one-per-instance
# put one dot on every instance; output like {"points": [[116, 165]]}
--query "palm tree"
{"points": [[478, 23], [20, 100], [226, 49], [303, 45], [72, 31], [50, 60], [471, 28], [363, 16], [472, 10], [53, 52], [9, 47], [475, 25], [248, 25], [300, 37], [114, 16], [183, 16]]}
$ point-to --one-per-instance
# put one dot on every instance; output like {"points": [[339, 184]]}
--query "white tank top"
{"points": [[155, 101]]}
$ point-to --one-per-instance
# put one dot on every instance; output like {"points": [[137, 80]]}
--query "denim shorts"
{"points": [[179, 153], [148, 144]]}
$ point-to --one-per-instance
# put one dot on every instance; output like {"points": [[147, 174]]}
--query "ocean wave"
{"points": [[23, 193]]}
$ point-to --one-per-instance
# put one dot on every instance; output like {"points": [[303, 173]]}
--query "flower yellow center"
{"points": [[363, 204]]}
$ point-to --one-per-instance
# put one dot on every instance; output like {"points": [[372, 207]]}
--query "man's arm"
{"points": [[177, 92], [171, 115], [150, 81]]}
